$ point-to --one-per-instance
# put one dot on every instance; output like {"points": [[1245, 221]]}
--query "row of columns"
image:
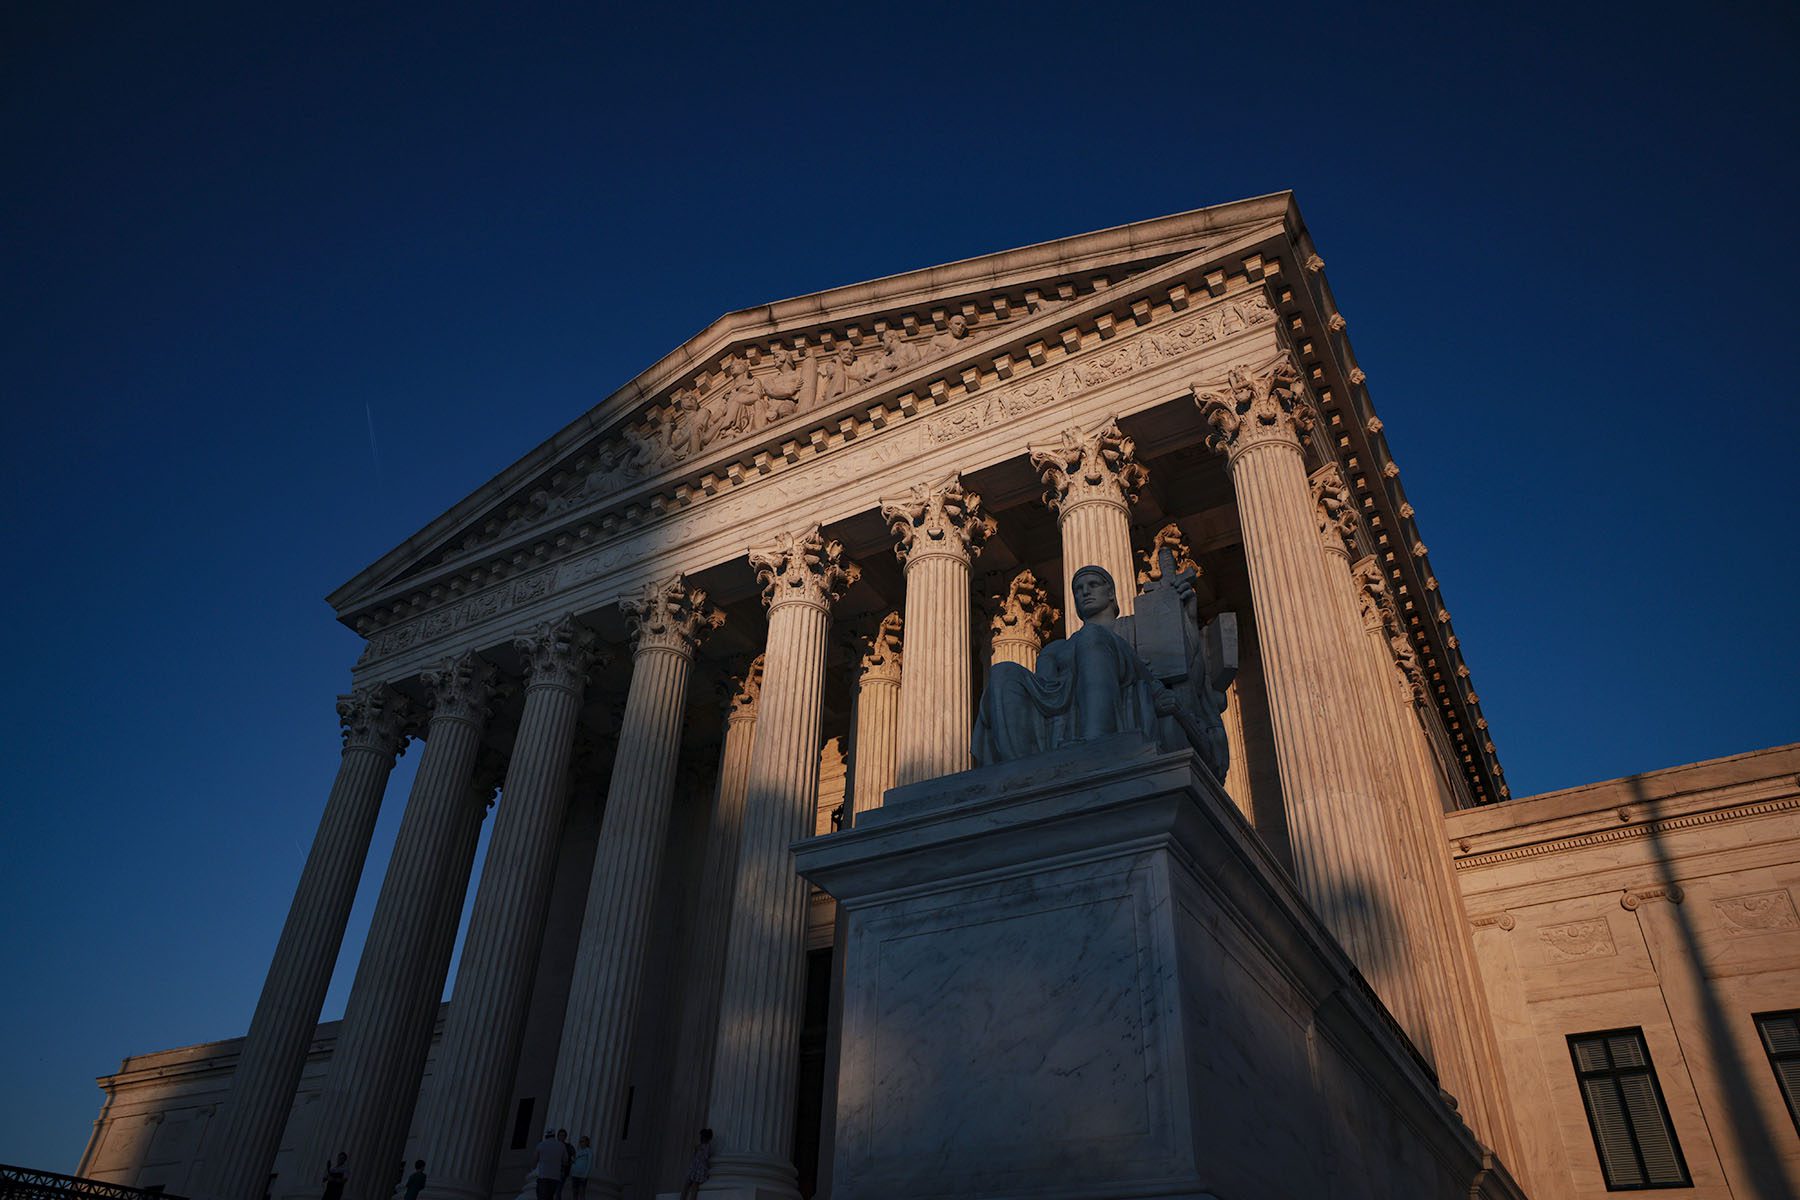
{"points": [[1350, 781]]}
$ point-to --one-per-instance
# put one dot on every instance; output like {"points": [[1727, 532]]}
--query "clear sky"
{"points": [[281, 283]]}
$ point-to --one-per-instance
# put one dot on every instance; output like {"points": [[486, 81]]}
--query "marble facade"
{"points": [[756, 588]]}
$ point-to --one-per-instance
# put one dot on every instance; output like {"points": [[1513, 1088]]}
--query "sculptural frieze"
{"points": [[628, 459], [1157, 672]]}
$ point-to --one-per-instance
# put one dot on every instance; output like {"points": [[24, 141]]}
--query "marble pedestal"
{"points": [[1081, 975]]}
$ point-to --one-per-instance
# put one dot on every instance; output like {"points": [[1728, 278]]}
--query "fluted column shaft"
{"points": [[941, 530], [478, 1058], [1468, 1059], [705, 957], [1425, 1008], [1237, 771], [936, 705], [287, 1012], [595, 1051], [760, 1005], [1334, 820], [379, 1059], [877, 742]]}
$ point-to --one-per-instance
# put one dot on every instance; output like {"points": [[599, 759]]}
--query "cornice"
{"points": [[1143, 242], [1086, 348], [1350, 435], [1465, 861]]}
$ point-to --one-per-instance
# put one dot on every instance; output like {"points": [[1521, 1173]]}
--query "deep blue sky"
{"points": [[280, 285]]}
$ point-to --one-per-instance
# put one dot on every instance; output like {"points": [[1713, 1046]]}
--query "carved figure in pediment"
{"points": [[744, 396], [897, 354], [790, 387], [955, 332], [842, 374], [691, 424]]}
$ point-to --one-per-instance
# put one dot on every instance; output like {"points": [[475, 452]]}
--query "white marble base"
{"points": [[1081, 975]]}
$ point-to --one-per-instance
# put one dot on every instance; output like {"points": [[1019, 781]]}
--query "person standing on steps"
{"points": [[337, 1175], [582, 1167], [549, 1156], [415, 1183]]}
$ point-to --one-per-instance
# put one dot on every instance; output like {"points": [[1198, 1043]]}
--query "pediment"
{"points": [[764, 383]]}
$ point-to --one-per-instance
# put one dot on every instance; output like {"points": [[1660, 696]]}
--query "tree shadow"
{"points": [[1748, 1124]]}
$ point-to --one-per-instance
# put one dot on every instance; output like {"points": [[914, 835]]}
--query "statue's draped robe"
{"points": [[1025, 713]]}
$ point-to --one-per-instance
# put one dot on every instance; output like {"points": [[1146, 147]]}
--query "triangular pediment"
{"points": [[762, 381]]}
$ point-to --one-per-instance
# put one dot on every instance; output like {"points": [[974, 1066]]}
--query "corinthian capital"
{"points": [[1022, 611], [743, 692], [1255, 406], [1082, 467], [461, 688], [879, 652], [670, 616], [803, 568], [938, 518], [559, 654], [1336, 515], [1372, 594], [1168, 537], [376, 718]]}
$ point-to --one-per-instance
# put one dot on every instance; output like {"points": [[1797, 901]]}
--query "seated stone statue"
{"points": [[1152, 672]]}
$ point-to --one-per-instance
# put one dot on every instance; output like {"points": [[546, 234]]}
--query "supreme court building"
{"points": [[762, 584]]}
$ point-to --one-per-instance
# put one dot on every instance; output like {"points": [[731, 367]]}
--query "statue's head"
{"points": [[1093, 593], [959, 325]]}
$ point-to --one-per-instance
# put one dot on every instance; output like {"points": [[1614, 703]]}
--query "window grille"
{"points": [[1625, 1111], [1781, 1038]]}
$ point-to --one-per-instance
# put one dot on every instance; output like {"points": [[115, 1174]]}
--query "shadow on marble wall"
{"points": [[1758, 1155]]}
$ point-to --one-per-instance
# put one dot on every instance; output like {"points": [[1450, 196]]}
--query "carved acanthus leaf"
{"points": [[670, 616], [1150, 561], [1336, 515], [938, 518], [1255, 405], [560, 654], [1083, 466], [376, 718], [461, 688], [878, 651], [803, 568], [1023, 612], [744, 691]]}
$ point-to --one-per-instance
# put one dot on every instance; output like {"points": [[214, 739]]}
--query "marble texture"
{"points": [[1079, 975]]}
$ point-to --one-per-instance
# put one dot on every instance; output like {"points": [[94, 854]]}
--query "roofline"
{"points": [[1138, 237]]}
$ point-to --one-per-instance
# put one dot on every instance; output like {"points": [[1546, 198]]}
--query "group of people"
{"points": [[559, 1166], [337, 1175]]}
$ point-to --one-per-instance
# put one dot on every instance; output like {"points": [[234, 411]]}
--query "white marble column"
{"points": [[704, 965], [668, 620], [1022, 620], [375, 723], [941, 529], [875, 733], [478, 1058], [1429, 1022], [379, 1060], [1258, 413], [754, 1063], [1471, 1063], [1092, 480]]}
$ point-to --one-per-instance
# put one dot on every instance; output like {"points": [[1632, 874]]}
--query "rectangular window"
{"points": [[1625, 1110], [1781, 1038]]}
